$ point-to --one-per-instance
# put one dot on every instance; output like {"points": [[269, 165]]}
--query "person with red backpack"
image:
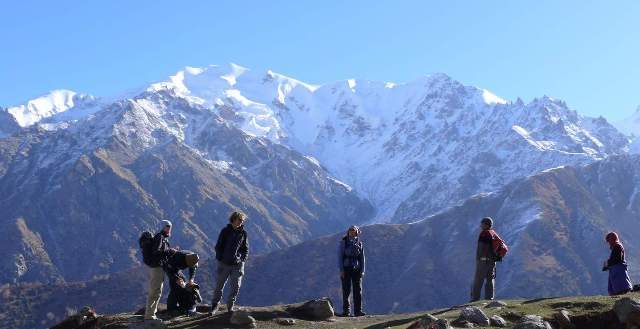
{"points": [[491, 249]]}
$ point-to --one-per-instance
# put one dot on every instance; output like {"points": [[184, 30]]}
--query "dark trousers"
{"points": [[179, 299], [485, 274], [172, 299], [352, 278]]}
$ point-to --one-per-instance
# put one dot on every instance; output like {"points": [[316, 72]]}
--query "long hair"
{"points": [[237, 215], [355, 228]]}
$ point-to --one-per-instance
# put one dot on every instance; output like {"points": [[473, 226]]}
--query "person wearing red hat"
{"points": [[619, 282]]}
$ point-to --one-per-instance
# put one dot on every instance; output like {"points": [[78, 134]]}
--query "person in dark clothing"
{"points": [[485, 262], [619, 282], [161, 251], [351, 263], [178, 300], [232, 250]]}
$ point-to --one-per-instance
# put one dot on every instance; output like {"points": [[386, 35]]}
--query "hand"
{"points": [[342, 275], [180, 282], [606, 264], [192, 282]]}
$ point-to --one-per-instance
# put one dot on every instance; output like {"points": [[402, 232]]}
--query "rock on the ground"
{"points": [[532, 322], [497, 321], [285, 321], [628, 311], [462, 323], [242, 318], [474, 315], [430, 322], [563, 317], [317, 309], [496, 303]]}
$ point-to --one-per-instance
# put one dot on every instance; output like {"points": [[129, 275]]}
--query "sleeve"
{"points": [[363, 259], [340, 255], [244, 249], [157, 245], [192, 272], [220, 245]]}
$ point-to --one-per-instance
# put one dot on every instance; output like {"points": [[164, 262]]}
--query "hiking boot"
{"points": [[360, 313], [194, 313], [344, 314]]}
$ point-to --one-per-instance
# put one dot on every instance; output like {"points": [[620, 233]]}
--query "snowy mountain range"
{"points": [[81, 176], [412, 149]]}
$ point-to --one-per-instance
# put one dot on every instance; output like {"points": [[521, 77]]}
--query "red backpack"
{"points": [[500, 248]]}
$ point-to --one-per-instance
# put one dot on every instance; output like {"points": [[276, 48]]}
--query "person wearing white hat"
{"points": [[160, 253]]}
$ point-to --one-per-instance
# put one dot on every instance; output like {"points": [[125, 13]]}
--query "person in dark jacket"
{"points": [[232, 250], [619, 282], [351, 263], [161, 251], [485, 262], [178, 299]]}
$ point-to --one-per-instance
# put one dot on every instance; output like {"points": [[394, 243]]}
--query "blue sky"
{"points": [[585, 52]]}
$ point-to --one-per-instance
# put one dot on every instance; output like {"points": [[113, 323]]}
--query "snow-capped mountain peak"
{"points": [[55, 102], [411, 148], [56, 106]]}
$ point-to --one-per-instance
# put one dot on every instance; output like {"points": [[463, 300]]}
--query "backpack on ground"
{"points": [[499, 247], [146, 246]]}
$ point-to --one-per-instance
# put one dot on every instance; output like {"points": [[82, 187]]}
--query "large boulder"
{"points": [[628, 311], [474, 315], [430, 322], [317, 309], [532, 322]]}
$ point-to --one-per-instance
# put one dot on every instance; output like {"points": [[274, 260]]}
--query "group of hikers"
{"points": [[232, 249]]}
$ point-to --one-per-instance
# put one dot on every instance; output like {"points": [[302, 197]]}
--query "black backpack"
{"points": [[146, 246]]}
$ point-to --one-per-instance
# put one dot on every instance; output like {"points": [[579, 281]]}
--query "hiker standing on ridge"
{"points": [[619, 282], [232, 250], [491, 248], [160, 252], [351, 262]]}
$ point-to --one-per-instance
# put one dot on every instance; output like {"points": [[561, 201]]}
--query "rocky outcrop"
{"points": [[532, 322], [628, 311], [474, 315], [24, 256], [430, 322]]}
